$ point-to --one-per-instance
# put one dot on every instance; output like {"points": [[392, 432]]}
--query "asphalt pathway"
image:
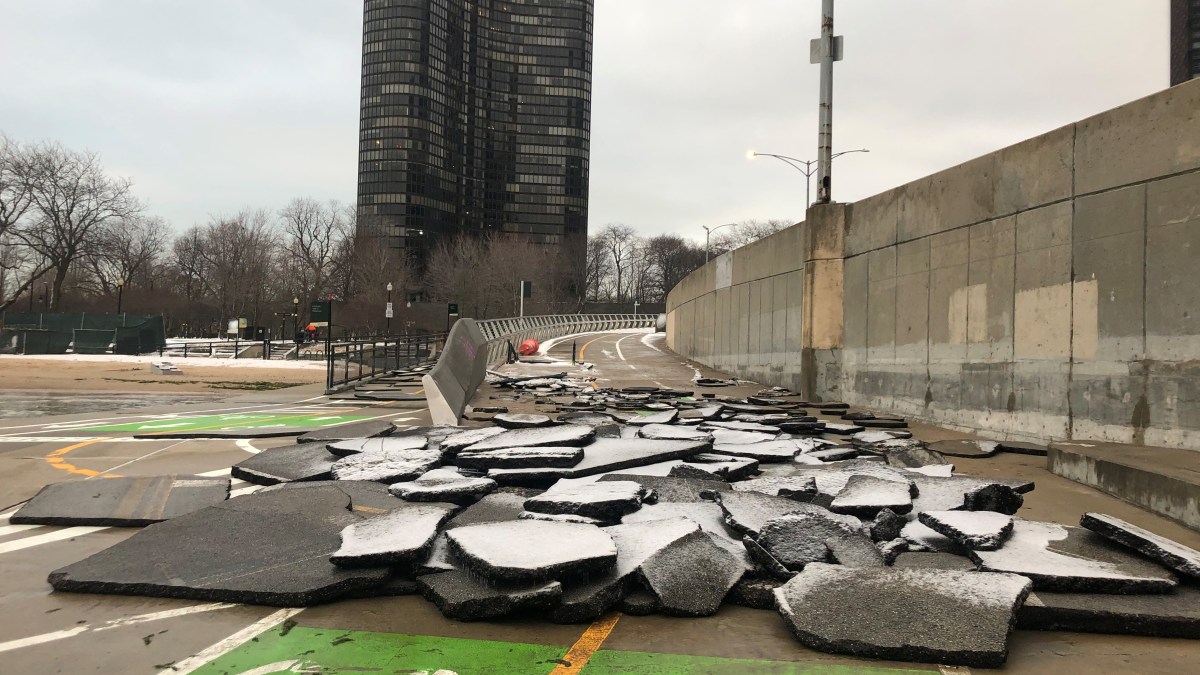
{"points": [[42, 631]]}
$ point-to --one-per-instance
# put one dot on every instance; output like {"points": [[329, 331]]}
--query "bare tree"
{"points": [[72, 200], [20, 268], [620, 241], [129, 251], [670, 259], [598, 270], [746, 232], [312, 237]]}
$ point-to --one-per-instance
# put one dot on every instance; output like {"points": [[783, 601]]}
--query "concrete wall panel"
{"points": [[1172, 264]]}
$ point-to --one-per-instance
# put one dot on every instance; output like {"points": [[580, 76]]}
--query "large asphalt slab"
{"points": [[43, 631]]}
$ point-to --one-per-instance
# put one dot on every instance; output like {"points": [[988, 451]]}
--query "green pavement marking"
{"points": [[227, 422], [313, 650]]}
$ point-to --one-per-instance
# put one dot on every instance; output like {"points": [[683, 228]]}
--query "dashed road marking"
{"points": [[109, 625], [232, 642]]}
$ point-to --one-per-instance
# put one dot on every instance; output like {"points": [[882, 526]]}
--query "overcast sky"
{"points": [[215, 105]]}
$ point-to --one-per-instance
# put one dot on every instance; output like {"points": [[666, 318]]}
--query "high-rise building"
{"points": [[1185, 40], [475, 118]]}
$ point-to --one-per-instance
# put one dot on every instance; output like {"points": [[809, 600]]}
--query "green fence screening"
{"points": [[43, 333]]}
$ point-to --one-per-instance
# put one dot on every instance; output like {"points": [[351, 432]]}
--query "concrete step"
{"points": [[1163, 480]]}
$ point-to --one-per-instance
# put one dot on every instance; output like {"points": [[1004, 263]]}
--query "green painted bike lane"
{"points": [[228, 422], [313, 650]]}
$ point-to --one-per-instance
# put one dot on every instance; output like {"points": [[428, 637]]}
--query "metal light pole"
{"points": [[388, 314], [120, 293], [825, 51], [808, 169], [707, 237]]}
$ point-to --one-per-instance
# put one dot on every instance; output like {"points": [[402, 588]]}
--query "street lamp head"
{"points": [[295, 300], [389, 287], [750, 154], [121, 282]]}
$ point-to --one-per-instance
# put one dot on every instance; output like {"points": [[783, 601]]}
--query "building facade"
{"points": [[475, 118], [1185, 40]]}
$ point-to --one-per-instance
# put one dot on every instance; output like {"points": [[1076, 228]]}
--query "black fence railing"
{"points": [[349, 362]]}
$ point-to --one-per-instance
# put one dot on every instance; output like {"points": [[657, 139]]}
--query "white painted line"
{"points": [[6, 530], [248, 446], [245, 491], [215, 474], [145, 456], [647, 338], [109, 625], [619, 354], [48, 538], [232, 642]]}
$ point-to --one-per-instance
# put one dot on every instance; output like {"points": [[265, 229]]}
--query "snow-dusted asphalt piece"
{"points": [[267, 548], [798, 539], [707, 412], [465, 597], [740, 426], [1183, 559], [606, 501], [904, 614], [591, 419], [399, 537], [923, 538], [913, 457], [443, 485], [876, 436], [287, 464], [121, 502], [602, 456], [935, 470], [532, 550], [587, 599], [673, 432], [733, 437], [665, 417], [958, 493], [455, 442], [764, 451], [639, 603], [386, 466], [394, 443], [864, 496], [965, 448], [748, 512], [799, 488], [833, 454], [520, 458], [568, 434], [754, 593], [711, 466], [670, 488], [342, 432], [522, 420], [832, 478], [1174, 615], [842, 429], [886, 526], [708, 515], [978, 530], [692, 575], [562, 518], [1071, 559]]}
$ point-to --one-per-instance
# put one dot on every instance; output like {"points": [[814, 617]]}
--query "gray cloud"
{"points": [[212, 106]]}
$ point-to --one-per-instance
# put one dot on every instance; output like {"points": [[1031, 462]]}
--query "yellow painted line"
{"points": [[587, 344], [587, 645], [57, 459]]}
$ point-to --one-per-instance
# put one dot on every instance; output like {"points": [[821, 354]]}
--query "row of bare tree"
{"points": [[74, 238], [623, 267]]}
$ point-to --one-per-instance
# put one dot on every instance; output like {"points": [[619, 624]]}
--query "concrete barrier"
{"points": [[460, 370]]}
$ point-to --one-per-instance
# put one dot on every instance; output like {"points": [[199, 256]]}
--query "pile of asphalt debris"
{"points": [[644, 500]]}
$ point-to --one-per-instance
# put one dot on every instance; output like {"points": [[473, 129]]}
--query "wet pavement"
{"points": [[17, 404]]}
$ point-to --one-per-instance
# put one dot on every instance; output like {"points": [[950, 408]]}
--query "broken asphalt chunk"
{"points": [[121, 502], [855, 611], [605, 501], [978, 530], [465, 597], [692, 575], [290, 463], [864, 496], [399, 537], [532, 550], [1183, 559], [386, 466], [443, 485]]}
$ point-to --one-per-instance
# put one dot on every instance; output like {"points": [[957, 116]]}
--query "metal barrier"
{"points": [[499, 332], [349, 362]]}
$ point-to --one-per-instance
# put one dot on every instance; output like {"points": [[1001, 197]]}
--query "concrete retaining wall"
{"points": [[1044, 291]]}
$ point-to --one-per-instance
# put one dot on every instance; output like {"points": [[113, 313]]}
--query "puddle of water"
{"points": [[15, 404]]}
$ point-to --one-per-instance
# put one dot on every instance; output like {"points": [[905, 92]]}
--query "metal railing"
{"points": [[499, 332], [349, 362], [358, 360]]}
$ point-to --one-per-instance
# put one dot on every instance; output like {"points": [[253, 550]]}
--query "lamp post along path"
{"points": [[707, 237], [808, 169], [825, 51]]}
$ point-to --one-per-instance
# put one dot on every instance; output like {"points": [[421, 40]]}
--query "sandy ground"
{"points": [[61, 374]]}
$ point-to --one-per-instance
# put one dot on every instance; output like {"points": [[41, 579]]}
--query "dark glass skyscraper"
{"points": [[475, 118], [1185, 40]]}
